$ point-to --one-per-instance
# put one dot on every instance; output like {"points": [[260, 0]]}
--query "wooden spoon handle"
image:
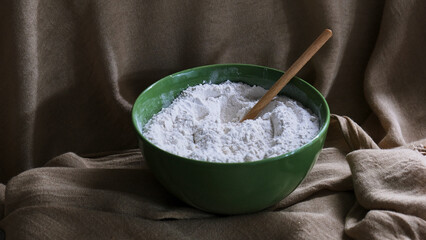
{"points": [[287, 76]]}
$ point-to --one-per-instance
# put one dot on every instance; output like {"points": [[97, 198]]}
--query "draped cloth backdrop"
{"points": [[71, 70]]}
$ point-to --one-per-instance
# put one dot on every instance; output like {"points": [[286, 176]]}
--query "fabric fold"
{"points": [[129, 191], [383, 224], [354, 135], [390, 191], [330, 172], [397, 96], [99, 201], [368, 193], [390, 179]]}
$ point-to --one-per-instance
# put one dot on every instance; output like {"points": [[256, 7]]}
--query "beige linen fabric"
{"points": [[124, 200], [391, 194], [378, 195], [71, 70]]}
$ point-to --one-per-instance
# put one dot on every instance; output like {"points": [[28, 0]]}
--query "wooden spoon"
{"points": [[287, 76]]}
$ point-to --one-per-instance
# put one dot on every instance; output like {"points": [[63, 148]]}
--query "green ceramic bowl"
{"points": [[229, 188]]}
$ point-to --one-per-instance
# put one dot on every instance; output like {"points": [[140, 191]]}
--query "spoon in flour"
{"points": [[287, 76]]}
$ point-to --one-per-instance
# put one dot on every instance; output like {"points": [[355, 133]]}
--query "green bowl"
{"points": [[229, 188]]}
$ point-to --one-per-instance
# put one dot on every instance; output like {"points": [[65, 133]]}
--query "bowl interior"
{"points": [[163, 92]]}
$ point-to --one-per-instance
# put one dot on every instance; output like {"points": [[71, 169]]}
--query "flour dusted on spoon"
{"points": [[203, 124]]}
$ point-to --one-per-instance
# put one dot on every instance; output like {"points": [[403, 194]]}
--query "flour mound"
{"points": [[203, 124]]}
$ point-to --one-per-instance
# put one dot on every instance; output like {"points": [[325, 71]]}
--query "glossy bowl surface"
{"points": [[229, 188]]}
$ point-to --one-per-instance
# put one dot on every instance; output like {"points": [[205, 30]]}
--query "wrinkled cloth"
{"points": [[71, 70], [391, 194], [102, 202], [367, 194]]}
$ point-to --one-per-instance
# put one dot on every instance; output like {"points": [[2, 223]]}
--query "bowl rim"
{"points": [[322, 131]]}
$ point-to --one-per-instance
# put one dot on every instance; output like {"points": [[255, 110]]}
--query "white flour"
{"points": [[203, 124]]}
